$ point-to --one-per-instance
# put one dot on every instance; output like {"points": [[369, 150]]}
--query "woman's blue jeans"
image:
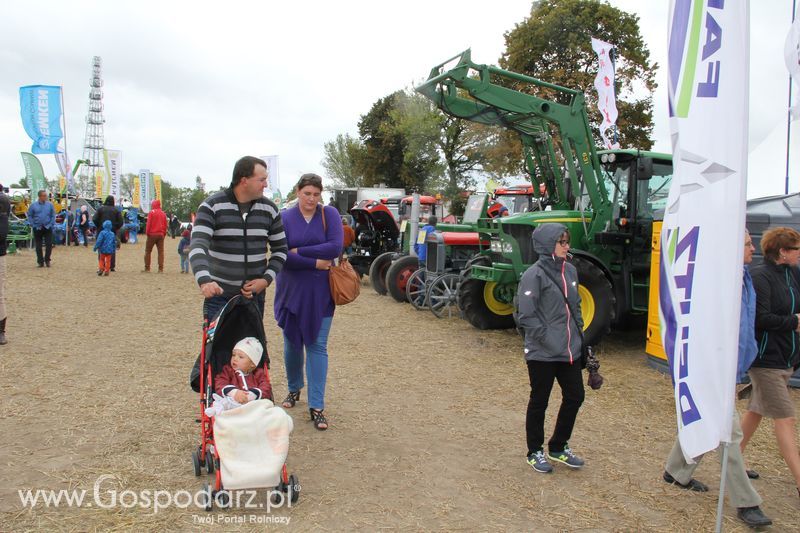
{"points": [[316, 365]]}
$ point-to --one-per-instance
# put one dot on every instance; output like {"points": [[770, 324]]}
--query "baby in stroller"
{"points": [[241, 380]]}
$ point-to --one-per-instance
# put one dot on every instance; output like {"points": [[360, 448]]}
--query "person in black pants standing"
{"points": [[549, 316], [5, 210], [42, 218]]}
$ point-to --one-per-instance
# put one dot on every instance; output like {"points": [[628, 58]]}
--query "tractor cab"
{"points": [[401, 207], [516, 199], [376, 232]]}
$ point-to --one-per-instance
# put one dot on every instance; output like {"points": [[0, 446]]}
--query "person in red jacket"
{"points": [[242, 380], [156, 230]]}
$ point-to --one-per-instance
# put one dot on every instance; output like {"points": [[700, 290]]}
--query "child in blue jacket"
{"points": [[106, 244], [183, 251]]}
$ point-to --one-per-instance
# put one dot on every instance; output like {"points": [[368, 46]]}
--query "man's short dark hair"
{"points": [[244, 168], [432, 220], [41, 192]]}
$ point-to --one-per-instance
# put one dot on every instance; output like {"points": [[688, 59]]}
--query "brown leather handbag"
{"points": [[344, 280]]}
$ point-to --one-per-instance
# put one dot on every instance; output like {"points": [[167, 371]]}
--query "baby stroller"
{"points": [[238, 319]]}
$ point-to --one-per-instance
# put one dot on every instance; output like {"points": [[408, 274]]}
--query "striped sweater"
{"points": [[222, 237]]}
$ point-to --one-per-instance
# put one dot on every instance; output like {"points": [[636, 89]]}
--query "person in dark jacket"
{"points": [[777, 325], [183, 250], [108, 211], [105, 245], [83, 223], [5, 211], [549, 317]]}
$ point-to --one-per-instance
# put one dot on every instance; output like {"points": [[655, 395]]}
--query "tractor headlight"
{"points": [[501, 247]]}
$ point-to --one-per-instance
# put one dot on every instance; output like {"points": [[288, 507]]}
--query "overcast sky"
{"points": [[188, 89]]}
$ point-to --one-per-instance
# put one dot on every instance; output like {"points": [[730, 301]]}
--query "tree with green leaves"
{"points": [[554, 45], [341, 161]]}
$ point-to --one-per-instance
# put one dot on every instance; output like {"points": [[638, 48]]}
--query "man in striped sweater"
{"points": [[231, 232]]}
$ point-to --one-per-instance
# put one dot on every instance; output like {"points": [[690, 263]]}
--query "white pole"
{"points": [[414, 223], [723, 475]]}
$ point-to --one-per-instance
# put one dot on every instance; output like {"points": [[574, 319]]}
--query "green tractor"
{"points": [[608, 199]]}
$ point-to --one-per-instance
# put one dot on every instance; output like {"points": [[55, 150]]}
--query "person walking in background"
{"points": [[183, 250], [83, 223], [421, 249], [156, 231], [349, 236], [777, 326], [42, 218], [105, 245], [108, 211], [550, 318], [303, 303], [741, 493], [5, 211], [174, 225]]}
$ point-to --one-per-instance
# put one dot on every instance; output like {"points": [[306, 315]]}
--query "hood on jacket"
{"points": [[155, 204], [109, 200], [185, 234], [545, 236], [107, 225]]}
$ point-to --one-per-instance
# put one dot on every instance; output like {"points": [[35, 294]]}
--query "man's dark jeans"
{"points": [[46, 235]]}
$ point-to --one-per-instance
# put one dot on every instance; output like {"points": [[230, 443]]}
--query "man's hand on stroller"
{"points": [[253, 287], [210, 289]]}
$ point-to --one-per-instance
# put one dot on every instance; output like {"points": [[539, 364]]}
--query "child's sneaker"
{"points": [[566, 457], [538, 462]]}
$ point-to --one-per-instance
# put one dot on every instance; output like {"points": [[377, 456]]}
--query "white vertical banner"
{"points": [[791, 54], [604, 84], [144, 190], [66, 169], [703, 231], [274, 175], [113, 160]]}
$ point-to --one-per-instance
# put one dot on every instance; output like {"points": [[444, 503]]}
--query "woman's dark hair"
{"points": [[776, 238], [309, 179], [244, 168], [109, 200]]}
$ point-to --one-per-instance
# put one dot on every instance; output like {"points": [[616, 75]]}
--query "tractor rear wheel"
{"points": [[597, 300], [477, 301], [398, 274], [377, 272]]}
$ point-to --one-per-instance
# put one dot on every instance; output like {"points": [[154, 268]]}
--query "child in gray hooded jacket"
{"points": [[549, 316]]}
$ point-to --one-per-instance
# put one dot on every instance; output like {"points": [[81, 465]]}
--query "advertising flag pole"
{"points": [[723, 475], [789, 114]]}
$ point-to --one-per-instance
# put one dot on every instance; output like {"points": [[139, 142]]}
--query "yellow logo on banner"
{"points": [[98, 184], [136, 192], [157, 186]]}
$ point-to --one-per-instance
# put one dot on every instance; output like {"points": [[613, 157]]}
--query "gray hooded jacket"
{"points": [[551, 333]]}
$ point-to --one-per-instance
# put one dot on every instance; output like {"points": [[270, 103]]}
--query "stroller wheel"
{"points": [[223, 498], [209, 462], [196, 462], [207, 498], [293, 489]]}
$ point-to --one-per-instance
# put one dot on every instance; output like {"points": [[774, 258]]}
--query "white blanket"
{"points": [[252, 441]]}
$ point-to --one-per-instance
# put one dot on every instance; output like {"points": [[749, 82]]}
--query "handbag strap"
{"points": [[571, 310], [325, 229]]}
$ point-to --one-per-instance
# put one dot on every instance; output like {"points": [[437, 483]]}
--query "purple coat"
{"points": [[303, 293]]}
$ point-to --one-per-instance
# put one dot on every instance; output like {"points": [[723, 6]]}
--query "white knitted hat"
{"points": [[251, 347]]}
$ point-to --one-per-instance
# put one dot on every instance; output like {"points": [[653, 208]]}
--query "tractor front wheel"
{"points": [[398, 275], [479, 304], [597, 300], [377, 272]]}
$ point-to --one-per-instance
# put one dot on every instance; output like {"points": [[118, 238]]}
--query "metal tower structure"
{"points": [[94, 141]]}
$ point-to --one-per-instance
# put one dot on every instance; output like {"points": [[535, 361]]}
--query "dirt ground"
{"points": [[427, 419]]}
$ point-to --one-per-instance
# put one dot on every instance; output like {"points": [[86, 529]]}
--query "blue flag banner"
{"points": [[40, 107]]}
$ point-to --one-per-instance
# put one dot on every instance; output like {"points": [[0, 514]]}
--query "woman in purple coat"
{"points": [[303, 303]]}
